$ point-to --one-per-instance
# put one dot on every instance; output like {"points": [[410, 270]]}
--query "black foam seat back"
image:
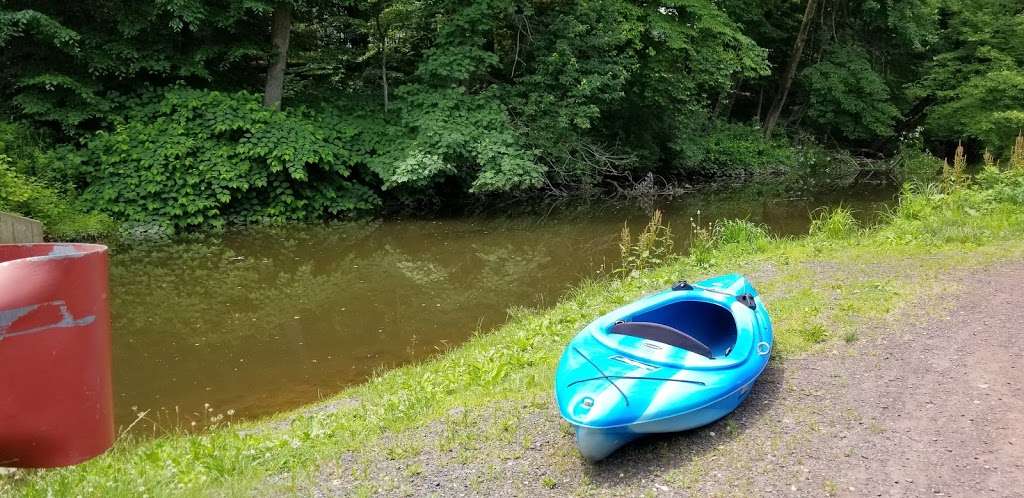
{"points": [[663, 334]]}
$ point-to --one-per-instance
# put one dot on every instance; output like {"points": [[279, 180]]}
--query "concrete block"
{"points": [[16, 229]]}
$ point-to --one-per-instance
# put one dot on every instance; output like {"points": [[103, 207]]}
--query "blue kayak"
{"points": [[669, 362]]}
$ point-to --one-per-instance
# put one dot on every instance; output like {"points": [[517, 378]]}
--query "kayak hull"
{"points": [[614, 386], [596, 444]]}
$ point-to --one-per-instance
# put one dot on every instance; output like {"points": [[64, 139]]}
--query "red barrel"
{"points": [[55, 392]]}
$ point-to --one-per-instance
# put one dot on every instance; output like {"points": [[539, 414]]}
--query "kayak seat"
{"points": [[663, 334], [710, 324]]}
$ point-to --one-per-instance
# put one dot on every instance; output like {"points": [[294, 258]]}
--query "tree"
{"points": [[794, 61], [63, 62], [280, 34], [845, 95], [975, 83]]}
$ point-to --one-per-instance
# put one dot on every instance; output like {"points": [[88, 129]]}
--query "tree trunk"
{"points": [[760, 103], [382, 34], [279, 34], [791, 67]]}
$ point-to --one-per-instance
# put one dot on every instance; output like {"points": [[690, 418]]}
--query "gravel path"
{"points": [[927, 403], [945, 395]]}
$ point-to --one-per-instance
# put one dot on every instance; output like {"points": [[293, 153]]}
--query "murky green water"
{"points": [[256, 321]]}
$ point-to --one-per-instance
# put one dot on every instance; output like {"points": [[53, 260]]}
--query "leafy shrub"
{"points": [[1003, 186], [988, 107], [847, 96], [62, 218], [435, 133], [729, 149], [23, 147], [26, 189], [190, 158], [836, 223], [912, 164]]}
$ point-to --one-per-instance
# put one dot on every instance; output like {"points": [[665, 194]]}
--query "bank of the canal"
{"points": [[303, 311], [456, 417]]}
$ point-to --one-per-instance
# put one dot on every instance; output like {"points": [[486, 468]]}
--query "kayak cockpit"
{"points": [[710, 324], [720, 322]]}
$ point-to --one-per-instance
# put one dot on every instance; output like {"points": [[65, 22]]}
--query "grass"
{"points": [[815, 286], [835, 223]]}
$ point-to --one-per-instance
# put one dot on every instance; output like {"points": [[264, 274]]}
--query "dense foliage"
{"points": [[155, 110], [23, 193], [194, 157]]}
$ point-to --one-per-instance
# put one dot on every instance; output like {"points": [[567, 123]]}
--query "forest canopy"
{"points": [[199, 113]]}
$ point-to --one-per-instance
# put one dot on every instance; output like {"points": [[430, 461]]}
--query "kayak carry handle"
{"points": [[664, 334], [746, 299]]}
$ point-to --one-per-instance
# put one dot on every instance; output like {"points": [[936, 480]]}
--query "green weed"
{"points": [[955, 176], [414, 469], [652, 247], [687, 477], [741, 233], [702, 242], [830, 488], [1017, 154], [402, 451], [813, 334], [834, 224]]}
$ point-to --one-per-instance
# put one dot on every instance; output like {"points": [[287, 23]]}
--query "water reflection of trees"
{"points": [[253, 282], [217, 289]]}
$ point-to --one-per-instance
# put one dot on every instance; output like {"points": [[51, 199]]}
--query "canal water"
{"points": [[250, 322]]}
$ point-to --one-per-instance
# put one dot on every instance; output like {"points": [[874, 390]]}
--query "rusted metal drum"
{"points": [[55, 392]]}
